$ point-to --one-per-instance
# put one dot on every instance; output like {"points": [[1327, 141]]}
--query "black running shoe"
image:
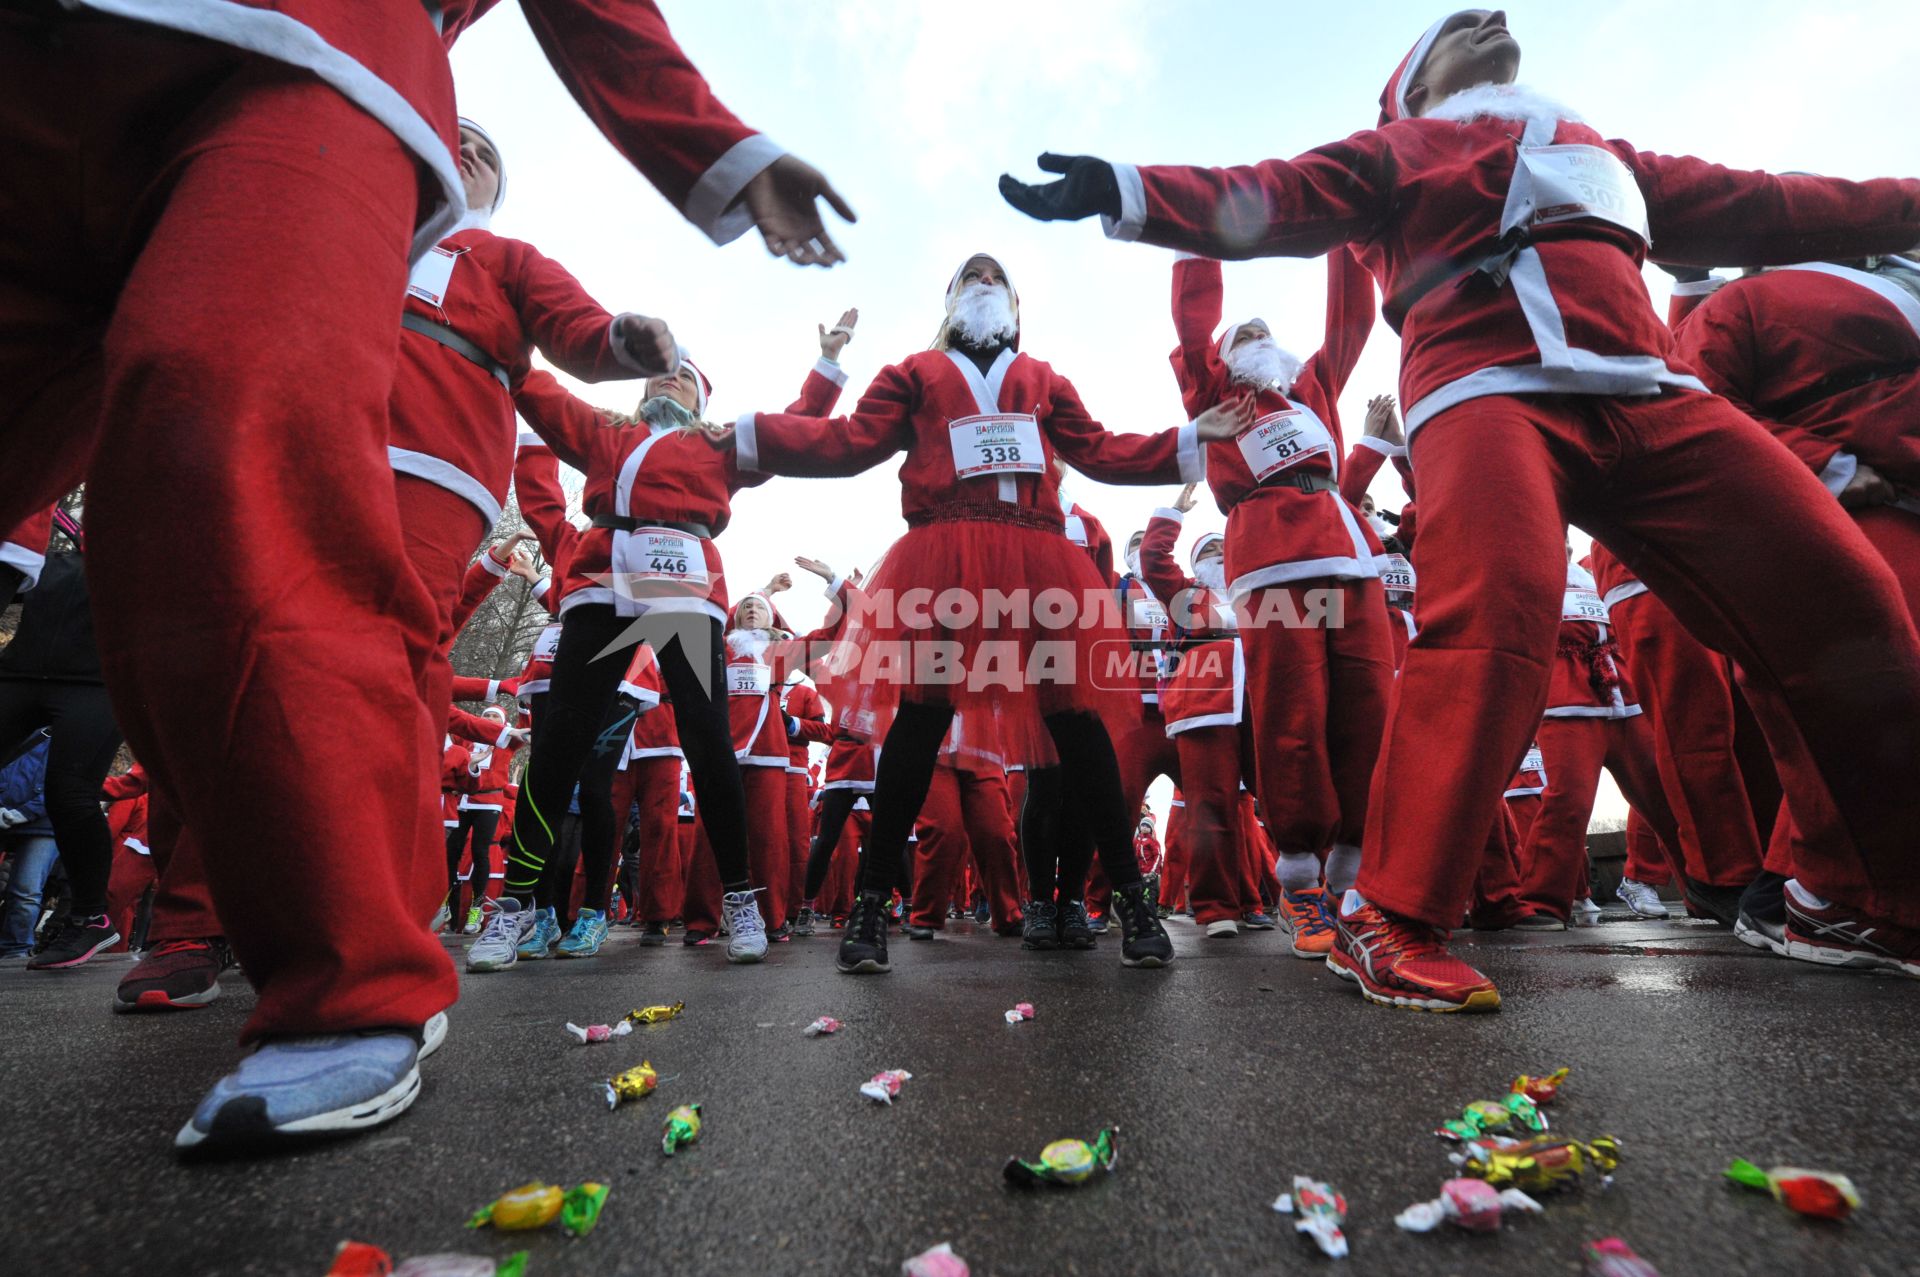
{"points": [[1762, 917], [916, 932], [803, 922], [1075, 931], [863, 950], [1143, 941], [1716, 904], [1037, 929], [654, 934], [75, 941], [174, 975]]}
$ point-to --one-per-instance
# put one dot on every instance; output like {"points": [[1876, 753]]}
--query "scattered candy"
{"points": [[1540, 1090], [1611, 1257], [1538, 1164], [1021, 1011], [358, 1259], [1321, 1211], [654, 1015], [1484, 1117], [825, 1024], [1472, 1204], [1065, 1161], [537, 1205], [884, 1086], [938, 1262], [681, 1127], [1820, 1194], [599, 1032], [636, 1083]]}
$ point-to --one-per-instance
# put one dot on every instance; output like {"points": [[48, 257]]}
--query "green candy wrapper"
{"points": [[681, 1127], [1065, 1161]]}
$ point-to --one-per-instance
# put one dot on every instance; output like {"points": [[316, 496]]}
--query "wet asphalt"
{"points": [[1226, 1074]]}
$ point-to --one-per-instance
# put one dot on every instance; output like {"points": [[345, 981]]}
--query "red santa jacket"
{"points": [[389, 57], [455, 756], [1147, 622], [1423, 202], [654, 733], [753, 704], [1826, 357], [1614, 581], [801, 702], [1147, 853], [1587, 681], [25, 548], [934, 402], [485, 780], [1278, 532], [1207, 687], [1087, 532]]}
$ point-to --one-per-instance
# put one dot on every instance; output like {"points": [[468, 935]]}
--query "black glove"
{"points": [[793, 727], [1089, 187], [1686, 274]]}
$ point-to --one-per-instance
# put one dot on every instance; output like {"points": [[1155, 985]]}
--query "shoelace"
{"points": [[869, 921], [498, 926], [743, 915], [1319, 917]]}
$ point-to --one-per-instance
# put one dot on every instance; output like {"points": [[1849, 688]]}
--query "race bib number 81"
{"points": [[1001, 443], [1283, 439]]}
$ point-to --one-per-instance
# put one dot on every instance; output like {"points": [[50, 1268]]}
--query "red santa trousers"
{"points": [[1143, 752], [1646, 857], [799, 825], [700, 904], [1835, 679], [127, 882], [836, 895], [652, 785], [767, 849], [1689, 698], [244, 546], [1553, 857], [1173, 877], [1258, 882], [1317, 703], [1496, 896], [966, 813], [1523, 808], [1219, 874]]}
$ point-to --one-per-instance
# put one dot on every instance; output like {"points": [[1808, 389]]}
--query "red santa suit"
{"points": [[25, 551], [967, 816], [1300, 562], [1522, 380], [133, 868], [760, 744], [244, 529], [648, 781], [807, 722], [1173, 875]]}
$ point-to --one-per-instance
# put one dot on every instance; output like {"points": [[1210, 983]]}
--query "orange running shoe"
{"points": [[1398, 962], [1307, 915]]}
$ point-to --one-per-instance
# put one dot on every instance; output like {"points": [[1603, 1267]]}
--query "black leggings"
{"points": [[599, 830], [835, 806], [586, 680], [1089, 784], [1058, 852], [85, 738], [482, 824]]}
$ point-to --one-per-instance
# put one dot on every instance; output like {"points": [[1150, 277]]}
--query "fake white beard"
{"points": [[1381, 526], [1263, 362], [480, 219], [1211, 572], [1501, 102], [1133, 561], [983, 315]]}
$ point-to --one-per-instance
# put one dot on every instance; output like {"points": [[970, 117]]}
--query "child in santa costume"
{"points": [[1507, 237], [760, 744], [980, 425]]}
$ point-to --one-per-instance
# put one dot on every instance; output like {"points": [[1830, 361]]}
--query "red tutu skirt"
{"points": [[990, 609]]}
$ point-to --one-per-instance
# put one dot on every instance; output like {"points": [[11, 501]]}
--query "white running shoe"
{"points": [[441, 919], [746, 931], [1585, 913], [1222, 929], [1640, 899], [432, 1034], [499, 944]]}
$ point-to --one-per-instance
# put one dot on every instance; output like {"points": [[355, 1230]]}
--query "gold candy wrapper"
{"points": [[636, 1083], [654, 1015]]}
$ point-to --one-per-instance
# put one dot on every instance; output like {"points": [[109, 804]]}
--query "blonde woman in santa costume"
{"points": [[980, 425], [1507, 237]]}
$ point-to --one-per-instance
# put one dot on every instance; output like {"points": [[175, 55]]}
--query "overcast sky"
{"points": [[913, 109]]}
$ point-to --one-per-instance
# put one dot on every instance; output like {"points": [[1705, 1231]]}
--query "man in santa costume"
{"points": [[1507, 237], [244, 162]]}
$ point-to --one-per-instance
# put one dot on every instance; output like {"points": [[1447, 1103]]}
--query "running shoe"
{"points": [[1500, 918], [803, 922], [1762, 920], [1538, 920], [746, 929], [1099, 926], [1641, 900], [588, 934], [1222, 929], [915, 932], [1143, 941], [174, 975], [475, 918], [781, 934], [1256, 920], [441, 918], [863, 950], [1307, 915], [308, 1085], [1834, 935], [694, 938], [432, 1034], [1075, 931], [1398, 962], [1585, 913], [76, 940], [1715, 904], [499, 944], [1038, 929], [538, 942]]}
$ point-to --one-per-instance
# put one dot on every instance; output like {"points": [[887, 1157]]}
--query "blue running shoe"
{"points": [[308, 1085], [589, 932], [546, 932]]}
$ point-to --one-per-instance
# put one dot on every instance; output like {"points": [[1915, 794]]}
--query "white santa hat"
{"points": [[953, 295], [1393, 98], [1206, 542], [499, 194]]}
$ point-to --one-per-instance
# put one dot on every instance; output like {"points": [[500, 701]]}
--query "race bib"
{"points": [[1396, 574], [1563, 183], [749, 678], [1148, 614], [1534, 761], [1000, 443], [431, 274], [1077, 530], [661, 554], [1582, 604], [1283, 439], [547, 644]]}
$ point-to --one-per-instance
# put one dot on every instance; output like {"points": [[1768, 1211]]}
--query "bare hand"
{"points": [[1185, 502], [1383, 422], [518, 736], [834, 340], [815, 566], [781, 198], [719, 438], [781, 582], [521, 565], [1225, 419], [649, 343], [1867, 488]]}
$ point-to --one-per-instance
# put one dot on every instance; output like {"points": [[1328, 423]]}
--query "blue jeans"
{"points": [[32, 857]]}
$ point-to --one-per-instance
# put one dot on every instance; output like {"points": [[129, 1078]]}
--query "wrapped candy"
{"points": [[1484, 1117], [1820, 1194], [1540, 1090], [884, 1086], [681, 1127], [1065, 1161], [537, 1205], [599, 1032], [1021, 1011], [446, 1265], [654, 1015], [825, 1024], [1320, 1211], [359, 1259], [636, 1083], [1611, 1257], [1538, 1164], [938, 1262], [1472, 1204]]}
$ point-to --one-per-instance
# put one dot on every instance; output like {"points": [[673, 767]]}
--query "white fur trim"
{"points": [[1840, 471], [831, 370], [1517, 102], [746, 443], [444, 474], [1169, 513], [714, 203], [1193, 455], [1381, 446], [1132, 221]]}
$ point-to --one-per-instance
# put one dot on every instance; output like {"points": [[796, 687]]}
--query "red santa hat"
{"points": [[1206, 542], [701, 384], [500, 194], [1393, 98], [1233, 331]]}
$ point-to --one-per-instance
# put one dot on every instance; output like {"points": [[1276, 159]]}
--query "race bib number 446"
{"points": [[661, 554], [1283, 439], [996, 444]]}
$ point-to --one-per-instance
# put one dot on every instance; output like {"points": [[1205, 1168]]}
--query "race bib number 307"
{"points": [[1000, 443]]}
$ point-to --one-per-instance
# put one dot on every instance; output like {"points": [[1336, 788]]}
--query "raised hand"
{"points": [[1185, 502], [1225, 419], [815, 566], [781, 582], [834, 340], [1088, 186], [781, 198], [1383, 422], [719, 438], [650, 343], [1867, 487]]}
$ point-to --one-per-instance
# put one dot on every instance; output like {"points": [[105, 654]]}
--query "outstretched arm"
{"points": [[1197, 303], [1702, 214], [821, 448]]}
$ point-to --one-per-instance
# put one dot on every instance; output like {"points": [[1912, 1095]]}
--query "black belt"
{"points": [[457, 344], [1827, 387], [623, 523], [1305, 482]]}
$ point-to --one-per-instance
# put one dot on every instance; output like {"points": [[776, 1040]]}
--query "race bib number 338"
{"points": [[996, 444]]}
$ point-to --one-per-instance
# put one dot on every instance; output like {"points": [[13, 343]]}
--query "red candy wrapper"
{"points": [[598, 1032], [938, 1262], [884, 1086], [1611, 1257], [1540, 1090], [825, 1024], [1021, 1011]]}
